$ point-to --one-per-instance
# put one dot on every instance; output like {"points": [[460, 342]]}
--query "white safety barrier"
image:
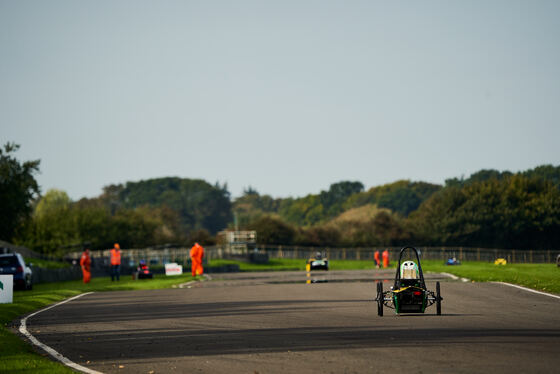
{"points": [[6, 289], [173, 269]]}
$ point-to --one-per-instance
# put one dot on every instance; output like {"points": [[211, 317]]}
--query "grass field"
{"points": [[46, 264], [17, 356], [542, 277]]}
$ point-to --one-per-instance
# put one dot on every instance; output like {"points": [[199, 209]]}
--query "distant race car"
{"points": [[318, 262], [143, 271], [409, 293], [453, 261]]}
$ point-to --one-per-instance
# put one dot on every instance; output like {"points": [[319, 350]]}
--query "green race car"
{"points": [[409, 293]]}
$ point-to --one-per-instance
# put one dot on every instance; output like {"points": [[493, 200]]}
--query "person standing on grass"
{"points": [[116, 262], [85, 263], [197, 253], [386, 258], [376, 258]]}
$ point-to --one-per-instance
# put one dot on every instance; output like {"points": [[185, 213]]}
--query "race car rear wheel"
{"points": [[379, 299], [438, 300]]}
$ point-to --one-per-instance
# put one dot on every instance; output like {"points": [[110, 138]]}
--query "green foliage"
{"points": [[511, 212], [304, 211], [480, 176], [314, 209], [202, 237], [18, 187], [333, 199], [60, 226], [251, 206], [401, 197], [384, 229], [489, 209], [547, 172], [53, 226], [272, 230], [199, 204], [324, 235]]}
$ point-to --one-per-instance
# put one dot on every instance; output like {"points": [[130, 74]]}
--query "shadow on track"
{"points": [[161, 343]]}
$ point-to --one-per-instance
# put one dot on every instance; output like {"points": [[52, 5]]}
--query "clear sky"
{"points": [[285, 96]]}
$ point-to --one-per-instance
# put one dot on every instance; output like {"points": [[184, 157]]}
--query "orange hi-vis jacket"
{"points": [[385, 258], [197, 252], [85, 261], [115, 257]]}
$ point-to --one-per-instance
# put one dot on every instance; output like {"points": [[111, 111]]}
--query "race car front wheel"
{"points": [[379, 299]]}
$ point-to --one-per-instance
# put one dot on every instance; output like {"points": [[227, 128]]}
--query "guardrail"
{"points": [[428, 253], [131, 257]]}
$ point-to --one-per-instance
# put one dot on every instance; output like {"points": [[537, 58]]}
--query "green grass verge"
{"points": [[543, 277], [46, 263], [17, 355]]}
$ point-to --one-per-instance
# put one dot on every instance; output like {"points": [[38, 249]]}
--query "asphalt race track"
{"points": [[278, 323]]}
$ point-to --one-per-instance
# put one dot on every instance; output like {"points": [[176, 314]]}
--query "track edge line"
{"points": [[529, 289], [64, 360]]}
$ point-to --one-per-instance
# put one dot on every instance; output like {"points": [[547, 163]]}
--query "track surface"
{"points": [[262, 323]]}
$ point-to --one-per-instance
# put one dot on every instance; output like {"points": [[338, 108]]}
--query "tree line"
{"points": [[490, 208]]}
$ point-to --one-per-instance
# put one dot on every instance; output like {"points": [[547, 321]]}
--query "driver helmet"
{"points": [[409, 270]]}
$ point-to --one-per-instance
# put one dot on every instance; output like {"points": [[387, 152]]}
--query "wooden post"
{"points": [[478, 254], [344, 253], [530, 255]]}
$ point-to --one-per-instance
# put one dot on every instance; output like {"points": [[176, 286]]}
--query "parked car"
{"points": [[13, 263]]}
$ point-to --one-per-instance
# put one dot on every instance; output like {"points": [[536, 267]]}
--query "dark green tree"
{"points": [[511, 212], [547, 172], [199, 204], [271, 230], [18, 188]]}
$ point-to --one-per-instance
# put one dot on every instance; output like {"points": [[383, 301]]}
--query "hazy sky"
{"points": [[285, 96]]}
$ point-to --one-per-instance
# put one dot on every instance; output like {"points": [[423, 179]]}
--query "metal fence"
{"points": [[428, 253], [131, 257]]}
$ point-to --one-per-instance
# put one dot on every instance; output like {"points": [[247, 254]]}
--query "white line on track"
{"points": [[49, 350], [528, 289], [454, 277], [188, 284]]}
